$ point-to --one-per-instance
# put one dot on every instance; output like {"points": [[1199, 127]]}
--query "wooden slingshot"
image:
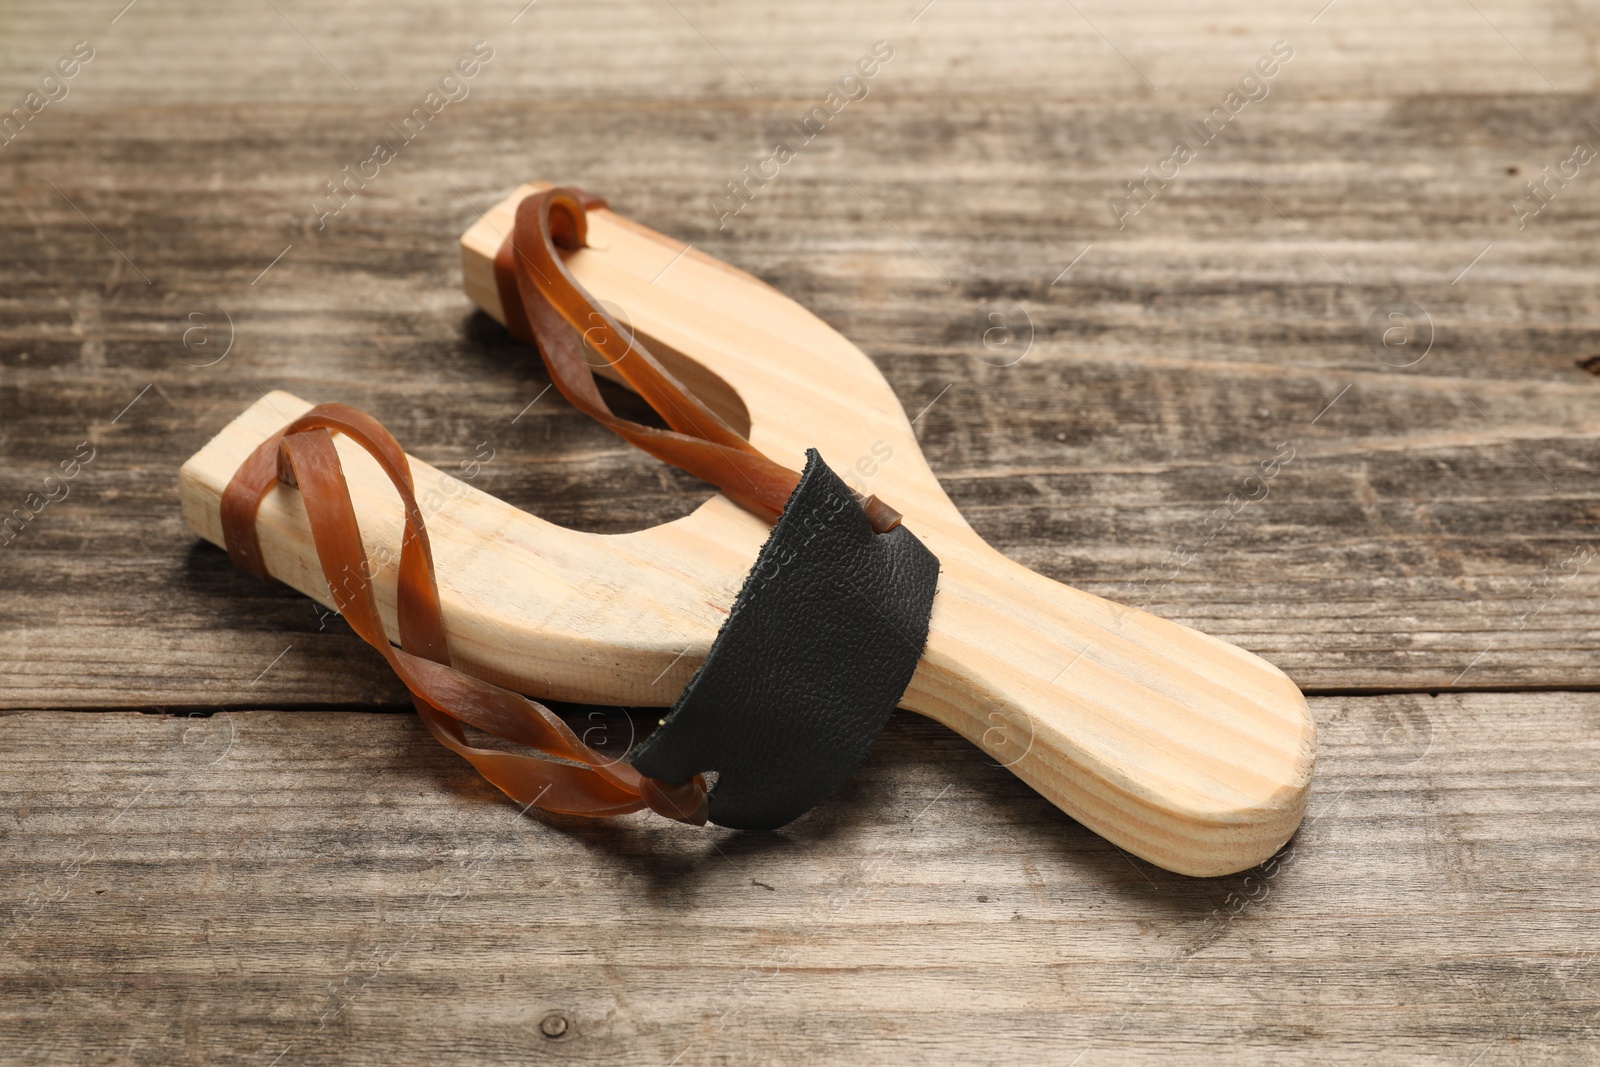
{"points": [[1183, 749]]}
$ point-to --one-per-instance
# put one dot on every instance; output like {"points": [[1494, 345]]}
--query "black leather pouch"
{"points": [[817, 651]]}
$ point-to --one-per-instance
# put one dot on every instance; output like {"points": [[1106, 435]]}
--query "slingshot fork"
{"points": [[1184, 750]]}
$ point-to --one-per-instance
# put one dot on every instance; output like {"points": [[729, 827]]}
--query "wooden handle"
{"points": [[1179, 747]]}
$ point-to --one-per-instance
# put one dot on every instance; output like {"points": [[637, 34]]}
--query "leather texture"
{"points": [[818, 649]]}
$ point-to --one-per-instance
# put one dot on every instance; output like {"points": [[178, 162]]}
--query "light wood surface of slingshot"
{"points": [[1178, 747]]}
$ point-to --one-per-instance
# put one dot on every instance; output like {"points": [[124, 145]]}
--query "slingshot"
{"points": [[1174, 745]]}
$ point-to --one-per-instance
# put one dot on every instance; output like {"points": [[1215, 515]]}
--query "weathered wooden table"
{"points": [[226, 839]]}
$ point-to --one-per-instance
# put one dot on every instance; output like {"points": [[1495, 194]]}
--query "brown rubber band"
{"points": [[544, 305], [569, 777]]}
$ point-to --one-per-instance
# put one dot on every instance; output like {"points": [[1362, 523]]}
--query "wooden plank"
{"points": [[1432, 528], [337, 885], [197, 891], [705, 49]]}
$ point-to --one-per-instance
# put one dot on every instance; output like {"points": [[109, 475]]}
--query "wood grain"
{"points": [[703, 49], [1432, 908], [1431, 532], [1415, 537]]}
